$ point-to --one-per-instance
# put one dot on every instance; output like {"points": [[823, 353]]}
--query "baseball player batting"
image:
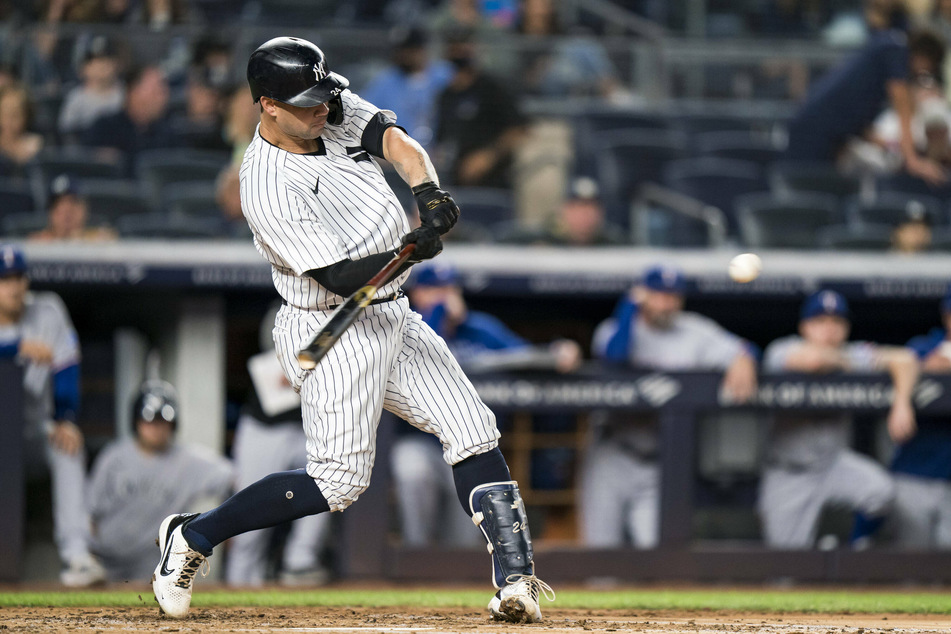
{"points": [[323, 215]]}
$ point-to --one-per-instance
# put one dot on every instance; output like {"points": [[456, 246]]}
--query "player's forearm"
{"points": [[408, 157], [346, 277], [66, 393], [900, 97], [904, 369]]}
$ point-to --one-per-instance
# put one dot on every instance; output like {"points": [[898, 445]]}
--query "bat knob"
{"points": [[306, 362]]}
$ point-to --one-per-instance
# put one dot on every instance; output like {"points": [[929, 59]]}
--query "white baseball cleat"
{"points": [[518, 600], [83, 572], [173, 576]]}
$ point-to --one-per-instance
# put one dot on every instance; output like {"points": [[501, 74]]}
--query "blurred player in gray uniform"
{"points": [[264, 444], [36, 329], [135, 480], [324, 217], [809, 463], [620, 477]]}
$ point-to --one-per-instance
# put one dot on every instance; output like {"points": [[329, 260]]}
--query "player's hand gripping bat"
{"points": [[347, 313]]}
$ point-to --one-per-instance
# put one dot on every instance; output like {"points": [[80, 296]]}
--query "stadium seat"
{"points": [[715, 181], [485, 205], [162, 225], [658, 226], [625, 159], [195, 199], [851, 237], [785, 222], [78, 162], [16, 196], [20, 225], [941, 239], [110, 199], [805, 176], [890, 208], [738, 145], [906, 184], [159, 168]]}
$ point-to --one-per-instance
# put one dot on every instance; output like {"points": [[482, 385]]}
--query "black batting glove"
{"points": [[436, 207], [428, 243]]}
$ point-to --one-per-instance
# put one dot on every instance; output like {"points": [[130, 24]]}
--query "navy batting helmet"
{"points": [[157, 400], [293, 71]]}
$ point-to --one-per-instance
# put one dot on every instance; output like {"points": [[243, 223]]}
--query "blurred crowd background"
{"points": [[142, 105], [572, 123]]}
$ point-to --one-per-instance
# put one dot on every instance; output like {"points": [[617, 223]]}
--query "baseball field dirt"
{"points": [[454, 620]]}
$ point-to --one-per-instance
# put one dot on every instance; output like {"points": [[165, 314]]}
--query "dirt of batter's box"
{"points": [[455, 620]]}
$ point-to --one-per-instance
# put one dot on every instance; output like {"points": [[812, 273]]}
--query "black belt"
{"points": [[378, 300]]}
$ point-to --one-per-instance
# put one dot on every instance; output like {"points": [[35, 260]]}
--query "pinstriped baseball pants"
{"points": [[388, 359]]}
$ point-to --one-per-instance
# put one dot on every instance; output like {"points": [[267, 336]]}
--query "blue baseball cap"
{"points": [[666, 279], [436, 274], [61, 185], [11, 260], [946, 301], [824, 303]]}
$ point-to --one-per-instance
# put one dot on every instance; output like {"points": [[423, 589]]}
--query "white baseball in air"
{"points": [[745, 267]]}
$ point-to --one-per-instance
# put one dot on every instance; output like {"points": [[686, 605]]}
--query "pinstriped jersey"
{"points": [[309, 211]]}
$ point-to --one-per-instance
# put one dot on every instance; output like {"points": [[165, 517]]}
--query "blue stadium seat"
{"points": [[80, 163], [195, 199], [16, 197], [625, 159], [890, 208], [484, 205], [739, 145], [167, 226], [785, 222], [110, 199], [20, 225], [850, 237], [906, 184], [715, 181], [806, 176], [159, 168]]}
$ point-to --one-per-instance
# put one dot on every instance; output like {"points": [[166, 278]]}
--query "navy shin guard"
{"points": [[497, 509]]}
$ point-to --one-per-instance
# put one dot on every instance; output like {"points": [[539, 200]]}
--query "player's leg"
{"points": [[943, 520], [71, 519], [859, 483], [605, 496], [417, 487], [916, 511], [789, 505], [429, 390], [644, 519], [301, 565], [256, 454]]}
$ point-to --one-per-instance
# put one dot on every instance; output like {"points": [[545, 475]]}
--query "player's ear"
{"points": [[269, 106]]}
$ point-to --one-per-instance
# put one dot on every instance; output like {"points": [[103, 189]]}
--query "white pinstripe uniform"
{"points": [[309, 211]]}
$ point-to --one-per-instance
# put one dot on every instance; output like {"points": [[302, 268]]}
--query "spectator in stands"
{"points": [[581, 221], [620, 475], [158, 15], [454, 15], [134, 478], [270, 438], [242, 116], [228, 197], [100, 93], [562, 62], [479, 123], [426, 496], [72, 10], [68, 215], [809, 463], [18, 144], [35, 328], [142, 124], [411, 84], [912, 234], [844, 103], [200, 126]]}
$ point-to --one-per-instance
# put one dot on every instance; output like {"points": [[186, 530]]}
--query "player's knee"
{"points": [[879, 498]]}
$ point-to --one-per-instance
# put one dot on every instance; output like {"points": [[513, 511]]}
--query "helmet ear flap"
{"points": [[336, 111]]}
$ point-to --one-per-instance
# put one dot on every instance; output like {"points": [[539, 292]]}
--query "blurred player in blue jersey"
{"points": [[35, 328]]}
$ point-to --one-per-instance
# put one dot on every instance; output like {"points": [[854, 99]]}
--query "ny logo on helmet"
{"points": [[319, 71]]}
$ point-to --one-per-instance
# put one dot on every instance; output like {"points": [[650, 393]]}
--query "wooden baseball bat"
{"points": [[317, 346]]}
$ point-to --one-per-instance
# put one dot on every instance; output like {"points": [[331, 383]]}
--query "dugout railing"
{"points": [[371, 548]]}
